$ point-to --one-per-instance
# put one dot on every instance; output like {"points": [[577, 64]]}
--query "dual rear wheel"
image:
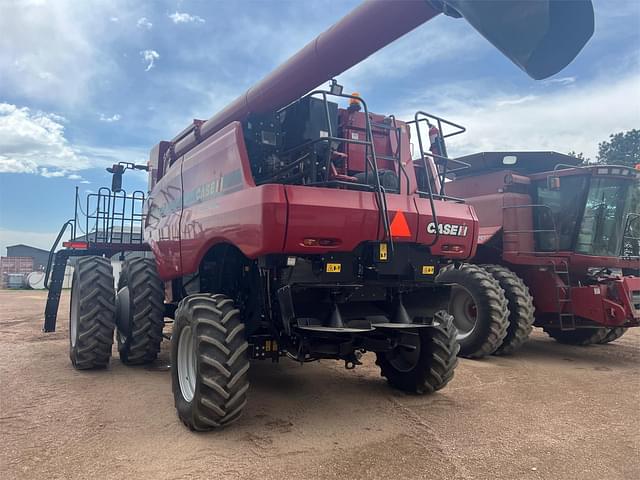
{"points": [[209, 378], [492, 309], [135, 313]]}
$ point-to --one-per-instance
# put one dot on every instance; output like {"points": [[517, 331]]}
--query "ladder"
{"points": [[55, 289], [566, 318]]}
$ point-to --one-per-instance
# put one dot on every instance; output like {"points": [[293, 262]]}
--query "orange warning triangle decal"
{"points": [[399, 226]]}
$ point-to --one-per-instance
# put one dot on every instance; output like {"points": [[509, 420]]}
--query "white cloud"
{"points": [[111, 119], [44, 171], [576, 118], [54, 47], [12, 165], [114, 19], [144, 23], [149, 56], [515, 100], [443, 39], [560, 81], [178, 17], [34, 142]]}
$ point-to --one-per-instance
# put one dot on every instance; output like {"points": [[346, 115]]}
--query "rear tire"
{"points": [[614, 334], [92, 314], [435, 363], [479, 307], [140, 316], [520, 305], [209, 362], [581, 336]]}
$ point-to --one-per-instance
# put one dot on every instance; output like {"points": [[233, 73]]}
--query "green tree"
{"points": [[580, 156], [622, 149]]}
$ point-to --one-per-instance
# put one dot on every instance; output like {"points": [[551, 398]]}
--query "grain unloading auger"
{"points": [[291, 226]]}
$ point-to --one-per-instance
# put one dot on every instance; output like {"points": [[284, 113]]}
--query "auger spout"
{"points": [[541, 37]]}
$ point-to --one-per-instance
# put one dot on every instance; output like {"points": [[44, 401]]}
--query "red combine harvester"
{"points": [[562, 240], [288, 225]]}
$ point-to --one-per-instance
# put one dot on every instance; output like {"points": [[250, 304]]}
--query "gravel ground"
{"points": [[548, 412]]}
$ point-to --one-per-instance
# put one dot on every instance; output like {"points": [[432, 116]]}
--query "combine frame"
{"points": [[288, 226]]}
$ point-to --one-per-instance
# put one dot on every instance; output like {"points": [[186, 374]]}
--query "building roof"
{"points": [[27, 246]]}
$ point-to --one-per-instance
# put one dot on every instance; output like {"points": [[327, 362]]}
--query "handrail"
{"points": [[370, 158], [427, 172], [553, 224], [53, 249], [444, 155], [400, 166]]}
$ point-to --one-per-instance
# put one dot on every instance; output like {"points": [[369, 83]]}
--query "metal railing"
{"points": [[533, 231], [114, 217], [370, 166]]}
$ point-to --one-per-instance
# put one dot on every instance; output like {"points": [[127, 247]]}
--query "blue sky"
{"points": [[84, 84]]}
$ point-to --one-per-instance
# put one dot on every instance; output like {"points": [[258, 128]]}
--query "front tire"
{"points": [[429, 365], [92, 313], [520, 305], [209, 362], [581, 336], [140, 318], [479, 307], [614, 334]]}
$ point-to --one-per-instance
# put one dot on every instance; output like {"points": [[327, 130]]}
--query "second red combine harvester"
{"points": [[560, 239], [287, 225]]}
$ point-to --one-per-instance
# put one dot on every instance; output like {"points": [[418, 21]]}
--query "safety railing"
{"points": [[370, 165], [114, 217]]}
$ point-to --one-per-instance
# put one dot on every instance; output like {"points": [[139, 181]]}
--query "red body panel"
{"points": [[208, 197], [609, 303]]}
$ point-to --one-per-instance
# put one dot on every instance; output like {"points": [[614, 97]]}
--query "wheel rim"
{"points": [[406, 355], [464, 311], [187, 364]]}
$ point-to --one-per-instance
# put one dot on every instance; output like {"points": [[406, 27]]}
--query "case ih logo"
{"points": [[448, 229]]}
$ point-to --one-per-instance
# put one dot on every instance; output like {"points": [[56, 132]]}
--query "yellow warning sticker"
{"points": [[428, 269], [383, 252], [334, 267]]}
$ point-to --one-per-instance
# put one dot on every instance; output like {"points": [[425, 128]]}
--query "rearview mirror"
{"points": [[539, 36], [553, 182], [116, 172]]}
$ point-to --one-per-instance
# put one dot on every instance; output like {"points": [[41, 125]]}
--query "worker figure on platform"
{"points": [[435, 138], [354, 103]]}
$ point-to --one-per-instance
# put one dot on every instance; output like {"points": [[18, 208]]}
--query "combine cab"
{"points": [[562, 239], [294, 224]]}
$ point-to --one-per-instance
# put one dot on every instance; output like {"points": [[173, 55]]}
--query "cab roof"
{"points": [[522, 162]]}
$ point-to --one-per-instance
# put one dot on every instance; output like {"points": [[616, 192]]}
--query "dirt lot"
{"points": [[549, 412]]}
